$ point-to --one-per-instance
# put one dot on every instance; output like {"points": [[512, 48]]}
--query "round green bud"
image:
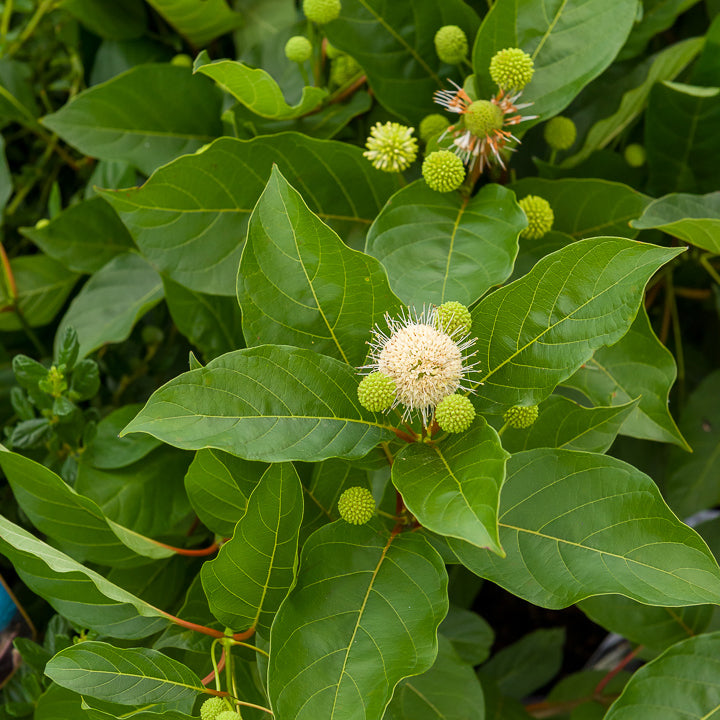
{"points": [[182, 60], [227, 715], [432, 125], [451, 44], [356, 505], [511, 69], [539, 215], [43, 222], [331, 52], [298, 49], [212, 707], [376, 392], [482, 117], [560, 133], [521, 416], [343, 69], [454, 413], [635, 155], [443, 171], [453, 316], [321, 11]]}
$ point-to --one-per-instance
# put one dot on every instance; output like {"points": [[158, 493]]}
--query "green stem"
{"points": [[677, 335], [214, 663], [705, 262], [5, 22], [29, 29], [502, 429], [249, 646], [553, 156], [303, 72]]}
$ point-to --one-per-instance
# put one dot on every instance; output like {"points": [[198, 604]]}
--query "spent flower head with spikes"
{"points": [[391, 147]]}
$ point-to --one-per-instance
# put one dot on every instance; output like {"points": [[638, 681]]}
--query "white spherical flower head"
{"points": [[426, 363]]}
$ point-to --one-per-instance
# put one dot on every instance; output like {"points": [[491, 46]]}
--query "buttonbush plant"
{"points": [[334, 381]]}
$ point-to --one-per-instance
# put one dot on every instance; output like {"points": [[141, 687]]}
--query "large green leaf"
{"points": [[96, 312], [571, 42], [453, 487], [692, 218], [439, 247], [682, 684], [251, 575], [638, 365], [577, 524], [76, 592], [270, 403], [118, 20], [298, 283], [146, 116], [129, 676], [535, 332], [200, 21], [393, 42], [362, 615], [190, 218]]}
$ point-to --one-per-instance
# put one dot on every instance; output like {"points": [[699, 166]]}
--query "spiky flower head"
{"points": [[443, 171], [455, 413], [635, 155], [560, 133], [391, 146], [298, 49], [453, 317], [432, 125], [376, 392], [540, 217], [356, 505], [521, 416], [343, 69], [451, 44], [426, 362], [511, 69], [321, 11], [228, 715], [212, 707]]}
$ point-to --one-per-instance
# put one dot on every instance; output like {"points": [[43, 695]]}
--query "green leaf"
{"points": [[638, 365], [6, 180], [299, 283], [83, 237], [76, 592], [257, 90], [563, 423], [210, 195], [577, 524], [706, 71], [613, 205], [218, 485], [470, 635], [441, 246], [535, 332], [362, 615], [43, 285], [692, 218], [251, 575], [118, 20], [112, 301], [147, 116], [449, 690], [128, 676], [393, 42], [17, 96], [683, 683], [270, 403], [200, 21], [453, 488], [571, 43], [94, 709]]}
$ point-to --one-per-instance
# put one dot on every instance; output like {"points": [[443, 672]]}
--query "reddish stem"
{"points": [[403, 436], [12, 285], [221, 666], [623, 663], [206, 630], [209, 550]]}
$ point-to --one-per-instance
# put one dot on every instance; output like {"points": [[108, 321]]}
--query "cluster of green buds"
{"points": [[521, 417], [539, 215], [356, 505]]}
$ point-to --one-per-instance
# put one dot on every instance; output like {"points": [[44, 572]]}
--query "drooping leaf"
{"points": [[200, 21], [118, 20], [362, 615], [471, 636], [298, 283], [270, 403], [577, 524]]}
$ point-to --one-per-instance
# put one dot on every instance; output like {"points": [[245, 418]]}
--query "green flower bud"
{"points": [[451, 44], [298, 49], [432, 125], [455, 413], [511, 69], [331, 52], [212, 707], [443, 171], [356, 505], [635, 155], [560, 133], [321, 11], [227, 715], [376, 392], [54, 383], [539, 215], [482, 117], [343, 69], [41, 223], [452, 316], [390, 147], [182, 60], [521, 416]]}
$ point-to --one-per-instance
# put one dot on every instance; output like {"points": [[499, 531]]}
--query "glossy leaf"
{"points": [[453, 487], [577, 524], [270, 403], [199, 21], [146, 116], [535, 332], [441, 246], [362, 615], [251, 575], [202, 203], [298, 283]]}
